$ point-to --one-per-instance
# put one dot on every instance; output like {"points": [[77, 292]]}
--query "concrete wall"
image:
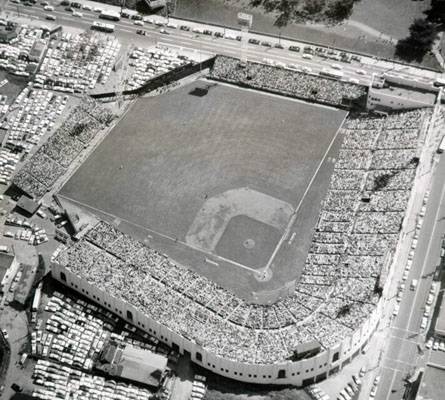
{"points": [[297, 373]]}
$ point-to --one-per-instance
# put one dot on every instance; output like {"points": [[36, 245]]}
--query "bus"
{"points": [[37, 296], [111, 15], [441, 147], [100, 26]]}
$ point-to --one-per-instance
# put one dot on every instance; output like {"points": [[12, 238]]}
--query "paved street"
{"points": [[405, 347], [126, 30]]}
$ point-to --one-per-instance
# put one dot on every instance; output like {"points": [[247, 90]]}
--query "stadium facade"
{"points": [[299, 373]]}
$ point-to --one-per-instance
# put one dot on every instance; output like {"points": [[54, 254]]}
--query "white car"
{"points": [[336, 66], [430, 299], [424, 323], [399, 296], [139, 22], [353, 80], [87, 7], [396, 310], [361, 72], [307, 69], [48, 8], [362, 372], [427, 311], [77, 14], [429, 344], [442, 346], [97, 9], [405, 275], [307, 56], [356, 379], [435, 345]]}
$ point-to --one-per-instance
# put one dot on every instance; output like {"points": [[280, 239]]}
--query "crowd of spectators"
{"points": [[145, 64], [75, 63], [30, 117], [285, 81], [52, 160], [358, 225], [20, 56]]}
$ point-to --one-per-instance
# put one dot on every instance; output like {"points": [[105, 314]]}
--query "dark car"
{"points": [[125, 15], [140, 32], [238, 38], [69, 9], [136, 17], [207, 32], [266, 44], [294, 48], [16, 387], [75, 4], [218, 34], [64, 3], [254, 41], [184, 28], [278, 46]]}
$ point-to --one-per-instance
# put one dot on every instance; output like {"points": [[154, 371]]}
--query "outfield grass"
{"points": [[158, 165]]}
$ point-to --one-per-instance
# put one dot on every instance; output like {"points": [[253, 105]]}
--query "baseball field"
{"points": [[216, 176]]}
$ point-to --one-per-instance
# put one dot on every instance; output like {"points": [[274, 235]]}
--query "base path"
{"points": [[213, 217]]}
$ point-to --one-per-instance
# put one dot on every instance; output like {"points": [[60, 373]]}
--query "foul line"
{"points": [[295, 213], [162, 235]]}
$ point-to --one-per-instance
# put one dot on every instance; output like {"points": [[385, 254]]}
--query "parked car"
{"points": [[254, 41]]}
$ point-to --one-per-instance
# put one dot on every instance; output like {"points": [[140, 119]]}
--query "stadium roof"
{"points": [[135, 364]]}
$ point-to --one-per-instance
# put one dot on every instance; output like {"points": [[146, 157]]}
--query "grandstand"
{"points": [[333, 305]]}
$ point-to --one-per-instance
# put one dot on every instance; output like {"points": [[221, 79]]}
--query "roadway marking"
{"points": [[427, 252], [391, 384], [399, 361]]}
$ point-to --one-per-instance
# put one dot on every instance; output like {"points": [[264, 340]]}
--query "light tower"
{"points": [[245, 22]]}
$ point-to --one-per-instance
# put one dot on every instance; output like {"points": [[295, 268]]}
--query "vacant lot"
{"points": [[173, 154]]}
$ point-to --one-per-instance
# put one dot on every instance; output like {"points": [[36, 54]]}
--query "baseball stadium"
{"points": [[247, 220]]}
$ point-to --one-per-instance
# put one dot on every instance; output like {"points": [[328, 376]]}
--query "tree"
{"points": [[422, 34], [339, 10], [313, 7]]}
